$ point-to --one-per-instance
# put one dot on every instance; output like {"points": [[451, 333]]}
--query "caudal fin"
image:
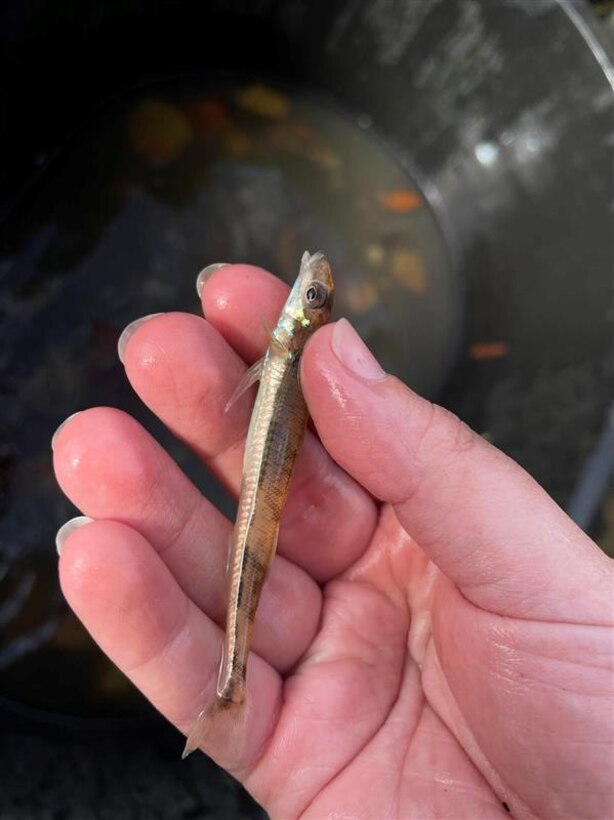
{"points": [[220, 717]]}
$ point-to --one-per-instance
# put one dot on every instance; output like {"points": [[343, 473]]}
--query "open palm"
{"points": [[465, 677]]}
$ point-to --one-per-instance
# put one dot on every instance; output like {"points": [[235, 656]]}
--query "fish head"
{"points": [[310, 303]]}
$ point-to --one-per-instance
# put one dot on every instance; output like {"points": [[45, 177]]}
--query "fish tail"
{"points": [[221, 715]]}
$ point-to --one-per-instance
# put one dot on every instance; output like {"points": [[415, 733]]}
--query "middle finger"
{"points": [[111, 468]]}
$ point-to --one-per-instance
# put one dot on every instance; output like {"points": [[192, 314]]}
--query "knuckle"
{"points": [[446, 434]]}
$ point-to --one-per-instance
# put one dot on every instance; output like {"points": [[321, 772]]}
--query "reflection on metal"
{"points": [[593, 481], [486, 153], [395, 24], [580, 20], [534, 133]]}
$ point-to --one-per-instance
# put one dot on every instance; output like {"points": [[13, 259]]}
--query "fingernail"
{"points": [[128, 332], [54, 437], [67, 529], [206, 273], [353, 353]]}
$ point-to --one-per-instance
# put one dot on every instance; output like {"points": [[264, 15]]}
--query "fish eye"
{"points": [[315, 295]]}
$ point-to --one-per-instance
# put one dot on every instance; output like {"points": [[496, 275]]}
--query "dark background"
{"points": [[530, 239]]}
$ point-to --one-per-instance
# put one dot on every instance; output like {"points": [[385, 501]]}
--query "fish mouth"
{"points": [[316, 266]]}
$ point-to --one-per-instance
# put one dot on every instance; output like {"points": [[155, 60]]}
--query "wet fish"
{"points": [[276, 432]]}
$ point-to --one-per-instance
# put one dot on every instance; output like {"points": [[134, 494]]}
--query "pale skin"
{"points": [[436, 636]]}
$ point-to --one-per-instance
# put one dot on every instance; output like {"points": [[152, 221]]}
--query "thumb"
{"points": [[481, 518]]}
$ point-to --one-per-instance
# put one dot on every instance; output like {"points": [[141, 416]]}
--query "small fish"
{"points": [[481, 351], [408, 269], [263, 101], [159, 131], [400, 201], [275, 435]]}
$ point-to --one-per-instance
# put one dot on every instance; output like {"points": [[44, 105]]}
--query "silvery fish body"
{"points": [[276, 433]]}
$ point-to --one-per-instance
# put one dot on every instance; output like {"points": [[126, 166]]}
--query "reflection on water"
{"points": [[165, 182]]}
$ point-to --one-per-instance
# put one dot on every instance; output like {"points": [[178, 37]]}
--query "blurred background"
{"points": [[454, 160]]}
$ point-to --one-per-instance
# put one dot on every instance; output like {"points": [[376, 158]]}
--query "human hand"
{"points": [[438, 652]]}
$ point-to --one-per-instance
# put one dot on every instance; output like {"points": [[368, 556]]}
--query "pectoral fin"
{"points": [[250, 377]]}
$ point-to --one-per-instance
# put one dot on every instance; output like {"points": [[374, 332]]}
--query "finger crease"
{"points": [[185, 525], [166, 646]]}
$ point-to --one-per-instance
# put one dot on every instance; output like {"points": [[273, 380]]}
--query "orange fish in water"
{"points": [[304, 141], [263, 101], [209, 116], [158, 131], [408, 269], [480, 351], [400, 201]]}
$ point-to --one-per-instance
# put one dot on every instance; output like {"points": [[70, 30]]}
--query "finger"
{"points": [[134, 609], [111, 468], [184, 370], [484, 521], [241, 302]]}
